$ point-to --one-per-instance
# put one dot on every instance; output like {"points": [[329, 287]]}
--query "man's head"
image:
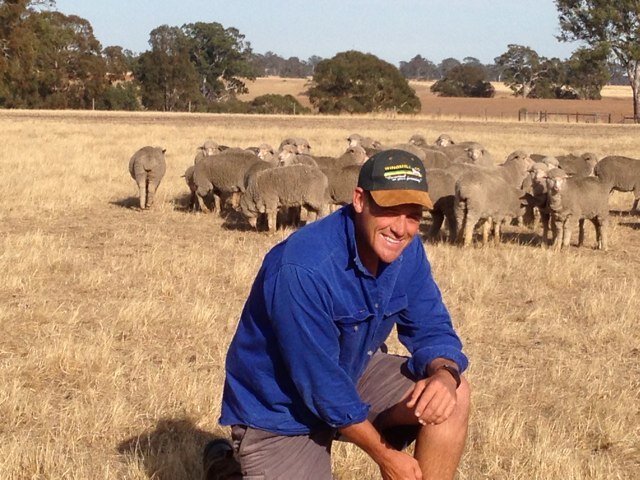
{"points": [[388, 202]]}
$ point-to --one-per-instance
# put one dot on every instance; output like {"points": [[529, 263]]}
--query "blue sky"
{"points": [[393, 30]]}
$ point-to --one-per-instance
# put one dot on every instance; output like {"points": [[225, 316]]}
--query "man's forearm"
{"points": [[365, 436]]}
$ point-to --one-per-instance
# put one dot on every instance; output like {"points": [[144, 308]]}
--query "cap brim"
{"points": [[392, 198]]}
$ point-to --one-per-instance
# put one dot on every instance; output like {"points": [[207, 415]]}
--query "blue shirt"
{"points": [[314, 318]]}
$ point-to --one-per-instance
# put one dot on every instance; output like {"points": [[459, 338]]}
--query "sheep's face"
{"points": [[444, 141], [265, 152], [474, 154], [555, 184], [248, 208], [358, 153], [354, 140], [302, 146], [417, 140], [382, 233], [287, 155]]}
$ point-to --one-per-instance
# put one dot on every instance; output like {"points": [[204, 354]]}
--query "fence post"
{"points": [[609, 117]]}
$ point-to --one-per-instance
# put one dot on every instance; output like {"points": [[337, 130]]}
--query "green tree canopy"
{"points": [[522, 68], [419, 68], [464, 81], [358, 82], [613, 25], [587, 72]]}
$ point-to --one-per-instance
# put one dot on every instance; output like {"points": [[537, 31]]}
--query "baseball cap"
{"points": [[395, 177]]}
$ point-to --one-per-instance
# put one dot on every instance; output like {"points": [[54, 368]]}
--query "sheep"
{"points": [[302, 144], [266, 153], [570, 198], [209, 147], [283, 187], [551, 162], [147, 167], [621, 174], [356, 140], [342, 173], [535, 185], [288, 155], [460, 151], [581, 166], [444, 140], [223, 175], [482, 196], [476, 155], [442, 186], [411, 148]]}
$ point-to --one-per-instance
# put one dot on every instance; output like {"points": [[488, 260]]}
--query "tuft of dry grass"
{"points": [[115, 322]]}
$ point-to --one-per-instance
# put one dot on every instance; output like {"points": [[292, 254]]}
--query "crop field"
{"points": [[114, 323]]}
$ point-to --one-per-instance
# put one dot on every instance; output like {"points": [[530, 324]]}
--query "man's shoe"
{"points": [[218, 462]]}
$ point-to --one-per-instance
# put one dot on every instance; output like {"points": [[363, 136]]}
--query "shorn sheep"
{"points": [[284, 187], [621, 174], [577, 198], [147, 167]]}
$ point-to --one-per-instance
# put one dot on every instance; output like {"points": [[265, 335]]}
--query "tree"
{"points": [[587, 72], [613, 25], [464, 81], [358, 82], [419, 68], [522, 69], [168, 79], [446, 65], [221, 58]]}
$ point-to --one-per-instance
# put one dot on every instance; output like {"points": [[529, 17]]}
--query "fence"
{"points": [[577, 117]]}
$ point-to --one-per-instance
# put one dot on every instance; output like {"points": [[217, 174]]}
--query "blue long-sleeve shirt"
{"points": [[312, 321]]}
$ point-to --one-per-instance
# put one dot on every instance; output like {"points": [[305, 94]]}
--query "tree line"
{"points": [[52, 60]]}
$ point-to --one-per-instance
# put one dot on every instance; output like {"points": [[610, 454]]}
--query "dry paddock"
{"points": [[115, 323]]}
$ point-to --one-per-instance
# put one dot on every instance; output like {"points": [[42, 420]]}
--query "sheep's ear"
{"points": [[164, 150]]}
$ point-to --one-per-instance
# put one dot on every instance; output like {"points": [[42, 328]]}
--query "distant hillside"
{"points": [[616, 100]]}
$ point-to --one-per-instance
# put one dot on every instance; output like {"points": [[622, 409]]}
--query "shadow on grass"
{"points": [[171, 451], [621, 213], [183, 203], [128, 202], [523, 238]]}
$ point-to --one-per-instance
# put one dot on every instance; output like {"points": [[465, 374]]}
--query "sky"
{"points": [[393, 30]]}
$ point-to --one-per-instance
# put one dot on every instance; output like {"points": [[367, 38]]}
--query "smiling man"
{"points": [[308, 363]]}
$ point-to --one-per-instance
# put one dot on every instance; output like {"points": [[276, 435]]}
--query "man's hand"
{"points": [[434, 398], [394, 465], [399, 466]]}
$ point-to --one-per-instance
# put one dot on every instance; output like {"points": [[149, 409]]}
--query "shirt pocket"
{"points": [[396, 305], [352, 322]]}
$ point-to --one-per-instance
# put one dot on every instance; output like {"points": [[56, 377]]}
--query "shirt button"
{"points": [[376, 305], [369, 353], [355, 329]]}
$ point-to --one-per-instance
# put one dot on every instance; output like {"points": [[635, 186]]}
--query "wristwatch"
{"points": [[452, 370]]}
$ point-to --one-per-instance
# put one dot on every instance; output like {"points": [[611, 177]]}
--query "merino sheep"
{"points": [[283, 187], [222, 175], [483, 197], [209, 147], [535, 185], [147, 167], [621, 174], [302, 144], [444, 140], [475, 155], [357, 140], [442, 188], [288, 155], [581, 166], [577, 198]]}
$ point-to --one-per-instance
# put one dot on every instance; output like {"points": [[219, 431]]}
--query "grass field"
{"points": [[115, 323]]}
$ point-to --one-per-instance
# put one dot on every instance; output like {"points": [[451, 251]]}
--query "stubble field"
{"points": [[115, 323]]}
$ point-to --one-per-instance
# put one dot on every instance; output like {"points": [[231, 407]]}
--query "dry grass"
{"points": [[115, 322]]}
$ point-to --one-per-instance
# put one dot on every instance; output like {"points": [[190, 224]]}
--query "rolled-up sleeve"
{"points": [[425, 327], [299, 307]]}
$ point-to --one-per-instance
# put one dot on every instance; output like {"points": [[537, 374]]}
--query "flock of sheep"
{"points": [[466, 186]]}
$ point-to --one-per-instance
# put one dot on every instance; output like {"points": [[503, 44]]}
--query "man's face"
{"points": [[382, 233]]}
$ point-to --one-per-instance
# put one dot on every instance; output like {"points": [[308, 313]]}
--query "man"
{"points": [[307, 362]]}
